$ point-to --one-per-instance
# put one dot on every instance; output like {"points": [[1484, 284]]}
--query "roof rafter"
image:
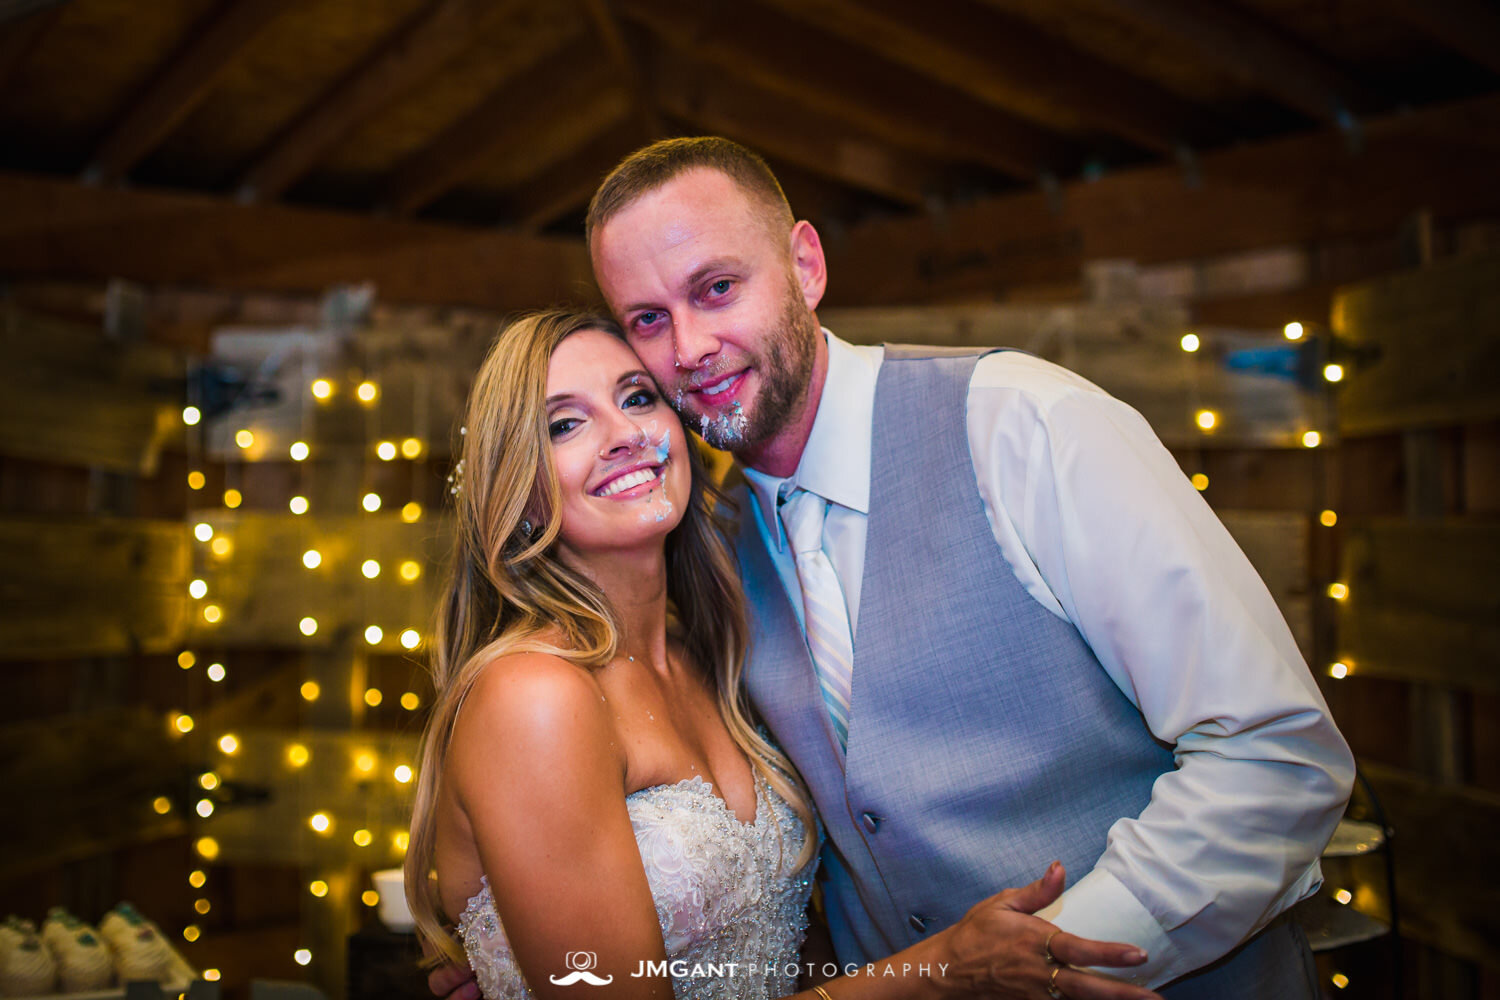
{"points": [[181, 84], [1255, 54], [1009, 64], [19, 40], [409, 55], [1468, 26], [829, 75], [602, 14]]}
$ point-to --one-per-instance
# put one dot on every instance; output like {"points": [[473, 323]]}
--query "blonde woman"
{"points": [[594, 805]]}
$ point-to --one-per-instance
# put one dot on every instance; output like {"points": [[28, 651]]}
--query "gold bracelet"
{"points": [[821, 992]]}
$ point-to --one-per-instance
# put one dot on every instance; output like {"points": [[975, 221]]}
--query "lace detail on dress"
{"points": [[722, 892]]}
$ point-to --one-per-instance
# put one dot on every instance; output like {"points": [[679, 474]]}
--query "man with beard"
{"points": [[992, 622]]}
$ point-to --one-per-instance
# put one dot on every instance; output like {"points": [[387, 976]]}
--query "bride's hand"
{"points": [[455, 982], [1000, 949]]}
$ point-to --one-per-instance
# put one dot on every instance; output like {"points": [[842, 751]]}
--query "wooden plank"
{"points": [[1303, 189], [69, 395], [1443, 847], [568, 184], [702, 95], [180, 86], [824, 72], [1468, 26], [1256, 55], [81, 586], [409, 55], [555, 106], [1435, 337], [1422, 605], [625, 64], [1130, 349], [52, 228], [1009, 64]]}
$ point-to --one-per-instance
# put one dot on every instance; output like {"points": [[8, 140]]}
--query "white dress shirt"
{"points": [[1102, 528]]}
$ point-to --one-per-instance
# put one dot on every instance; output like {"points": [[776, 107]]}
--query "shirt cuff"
{"points": [[1098, 906]]}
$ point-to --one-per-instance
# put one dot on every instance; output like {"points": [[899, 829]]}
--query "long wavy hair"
{"points": [[508, 592]]}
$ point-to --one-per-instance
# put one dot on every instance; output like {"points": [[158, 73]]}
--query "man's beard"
{"points": [[784, 364]]}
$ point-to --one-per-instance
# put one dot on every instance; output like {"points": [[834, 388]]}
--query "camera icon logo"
{"points": [[581, 962]]}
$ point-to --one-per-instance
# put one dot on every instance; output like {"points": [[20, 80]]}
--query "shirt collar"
{"points": [[835, 463]]}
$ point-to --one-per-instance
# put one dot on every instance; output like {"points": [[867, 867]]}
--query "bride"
{"points": [[594, 803]]}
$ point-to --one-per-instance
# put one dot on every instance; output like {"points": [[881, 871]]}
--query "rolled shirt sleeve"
{"points": [[1102, 527]]}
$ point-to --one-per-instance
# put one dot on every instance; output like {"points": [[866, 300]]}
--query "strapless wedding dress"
{"points": [[723, 891]]}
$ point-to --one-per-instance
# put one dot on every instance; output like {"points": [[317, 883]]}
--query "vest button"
{"points": [[918, 924], [871, 821]]}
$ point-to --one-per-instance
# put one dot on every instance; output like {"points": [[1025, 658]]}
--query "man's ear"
{"points": [[808, 265]]}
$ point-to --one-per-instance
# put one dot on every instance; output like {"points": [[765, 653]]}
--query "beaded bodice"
{"points": [[723, 890]]}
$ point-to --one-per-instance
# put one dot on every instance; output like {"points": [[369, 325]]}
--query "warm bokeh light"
{"points": [[400, 840], [197, 480], [1333, 373], [363, 838], [373, 697], [229, 743], [311, 690], [320, 822], [411, 448], [385, 450], [210, 975], [207, 847], [1311, 439], [371, 502], [1338, 591], [308, 625], [370, 897], [1207, 419], [1190, 342], [244, 438], [370, 568], [322, 388], [208, 780], [297, 505], [205, 808], [302, 956], [1328, 519], [1292, 331], [162, 805], [364, 763], [183, 723], [221, 546], [197, 589], [410, 701], [1339, 670], [367, 392], [1340, 980], [233, 498], [216, 672], [297, 755], [212, 613], [318, 888], [191, 933], [312, 558], [198, 879], [410, 570], [402, 774], [299, 451], [1199, 481], [1344, 897], [202, 905], [186, 658], [191, 415], [411, 513], [203, 531], [373, 634]]}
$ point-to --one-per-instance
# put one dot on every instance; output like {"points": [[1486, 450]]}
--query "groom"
{"points": [[992, 622]]}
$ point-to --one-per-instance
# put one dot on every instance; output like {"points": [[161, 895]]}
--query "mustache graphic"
{"points": [[587, 977]]}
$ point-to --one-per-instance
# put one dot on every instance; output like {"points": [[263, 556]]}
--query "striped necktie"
{"points": [[824, 613]]}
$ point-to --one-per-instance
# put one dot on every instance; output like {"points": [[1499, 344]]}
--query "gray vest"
{"points": [[985, 739]]}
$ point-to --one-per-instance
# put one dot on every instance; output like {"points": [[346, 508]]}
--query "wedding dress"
{"points": [[732, 913]]}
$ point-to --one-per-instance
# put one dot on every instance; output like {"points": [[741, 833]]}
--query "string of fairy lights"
{"points": [[217, 548]]}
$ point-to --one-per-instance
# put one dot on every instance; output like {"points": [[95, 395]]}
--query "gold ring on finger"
{"points": [[1052, 990], [1047, 948]]}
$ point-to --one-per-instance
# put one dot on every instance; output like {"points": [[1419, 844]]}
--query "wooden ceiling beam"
{"points": [[562, 95], [1300, 190], [1467, 26], [409, 55], [18, 40], [607, 24], [180, 86], [1255, 54], [61, 229], [1009, 64], [567, 184], [704, 97], [827, 74]]}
